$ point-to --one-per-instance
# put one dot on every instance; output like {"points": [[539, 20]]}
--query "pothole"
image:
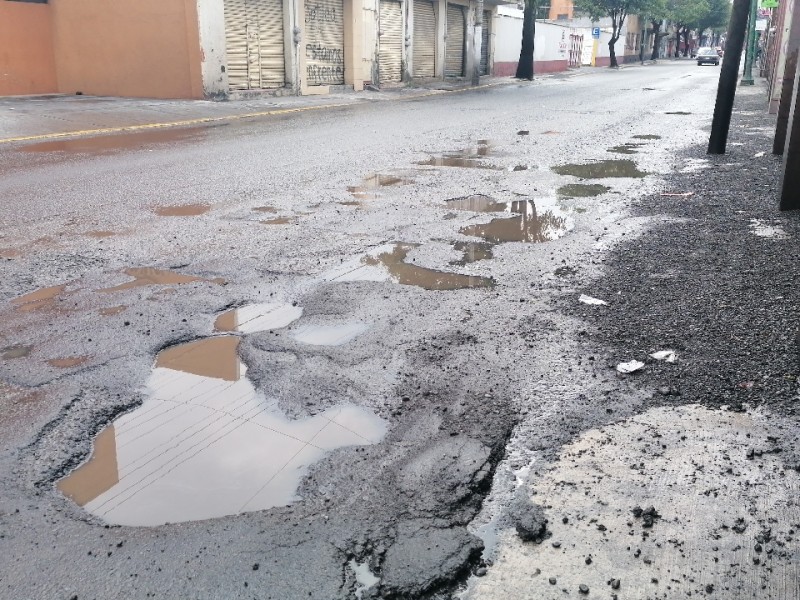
{"points": [[530, 225], [206, 444], [143, 276], [477, 203], [68, 362], [646, 136], [601, 169], [105, 144], [582, 190], [182, 210], [472, 252], [371, 184], [15, 351], [44, 298], [258, 317]]}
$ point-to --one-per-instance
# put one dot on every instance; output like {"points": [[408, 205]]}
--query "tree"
{"points": [[686, 15], [618, 11], [525, 64], [717, 17]]}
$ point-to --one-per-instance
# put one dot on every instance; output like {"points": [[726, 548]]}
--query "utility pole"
{"points": [[747, 77], [729, 73], [477, 40], [790, 186]]}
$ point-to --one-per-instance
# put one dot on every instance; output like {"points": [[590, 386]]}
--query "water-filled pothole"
{"points": [[206, 444], [278, 221], [147, 276], [265, 209], [457, 161], [582, 190], [602, 169], [647, 136], [105, 144], [477, 203], [628, 148], [16, 351], [529, 225], [182, 210], [40, 299], [368, 190], [68, 362], [472, 252], [258, 317]]}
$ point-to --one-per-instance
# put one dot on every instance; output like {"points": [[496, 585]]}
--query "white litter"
{"points": [[758, 155], [630, 367], [589, 300], [665, 355]]}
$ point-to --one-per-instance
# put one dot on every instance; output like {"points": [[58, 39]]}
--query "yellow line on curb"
{"points": [[205, 120]]}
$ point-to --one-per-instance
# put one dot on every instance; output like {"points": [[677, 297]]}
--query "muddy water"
{"points": [[528, 226], [266, 209], [16, 351], [40, 299], [107, 144], [258, 317], [205, 444], [582, 190], [368, 190], [472, 252], [146, 276], [601, 169], [182, 210], [468, 158], [329, 335], [629, 148], [67, 363], [429, 279], [477, 203], [277, 221]]}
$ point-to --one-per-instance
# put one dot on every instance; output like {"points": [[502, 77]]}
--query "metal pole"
{"points": [[790, 186], [729, 73], [747, 78]]}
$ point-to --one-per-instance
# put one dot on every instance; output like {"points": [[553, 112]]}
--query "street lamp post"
{"points": [[747, 76]]}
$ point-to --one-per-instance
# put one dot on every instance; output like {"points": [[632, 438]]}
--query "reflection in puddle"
{"points": [[601, 169], [43, 298], [106, 144], [146, 276], [258, 317], [529, 226], [647, 136], [205, 444], [429, 279], [112, 310], [582, 190], [329, 335], [477, 203], [16, 351], [277, 221], [472, 252], [368, 188], [182, 210], [66, 363]]}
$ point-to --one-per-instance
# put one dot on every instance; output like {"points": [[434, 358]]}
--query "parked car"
{"points": [[707, 56]]}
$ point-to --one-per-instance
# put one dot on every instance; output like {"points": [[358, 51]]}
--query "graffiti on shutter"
{"points": [[325, 42], [454, 49], [424, 52], [391, 41]]}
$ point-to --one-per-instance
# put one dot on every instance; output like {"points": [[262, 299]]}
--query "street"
{"points": [[372, 350]]}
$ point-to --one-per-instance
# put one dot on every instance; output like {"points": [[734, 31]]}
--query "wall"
{"points": [[133, 48], [213, 56], [27, 64], [551, 44]]}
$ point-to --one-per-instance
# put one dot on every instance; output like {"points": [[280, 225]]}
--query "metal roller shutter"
{"points": [[454, 49], [391, 41], [254, 43], [487, 22], [325, 46], [424, 39]]}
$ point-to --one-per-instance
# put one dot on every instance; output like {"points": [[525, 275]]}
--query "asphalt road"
{"points": [[401, 270]]}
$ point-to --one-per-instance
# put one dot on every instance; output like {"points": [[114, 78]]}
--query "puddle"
{"points": [[647, 136], [182, 210], [582, 190], [601, 169], [16, 351], [472, 252], [429, 279], [205, 444], [101, 234], [523, 132], [146, 276], [477, 203], [40, 299], [112, 310], [350, 203], [457, 161], [106, 144], [368, 190], [767, 230], [258, 317], [67, 363], [677, 112], [551, 132], [266, 209], [529, 226], [629, 148], [329, 335], [518, 168], [277, 221]]}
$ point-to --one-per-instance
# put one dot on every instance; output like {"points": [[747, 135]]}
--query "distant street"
{"points": [[335, 353]]}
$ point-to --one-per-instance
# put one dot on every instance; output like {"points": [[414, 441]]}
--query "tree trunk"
{"points": [[686, 51], [656, 38], [525, 64], [614, 37]]}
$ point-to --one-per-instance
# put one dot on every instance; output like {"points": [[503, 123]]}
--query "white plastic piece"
{"points": [[665, 355], [589, 300], [629, 367]]}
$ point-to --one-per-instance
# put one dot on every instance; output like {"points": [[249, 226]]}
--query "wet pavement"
{"points": [[340, 353]]}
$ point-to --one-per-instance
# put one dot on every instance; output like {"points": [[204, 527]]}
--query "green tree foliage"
{"points": [[717, 16], [686, 15], [618, 11]]}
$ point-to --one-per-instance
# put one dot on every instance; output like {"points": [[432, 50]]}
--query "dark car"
{"points": [[707, 56]]}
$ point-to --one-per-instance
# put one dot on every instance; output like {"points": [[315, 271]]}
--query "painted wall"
{"points": [[213, 55], [551, 45], [27, 64], [133, 48]]}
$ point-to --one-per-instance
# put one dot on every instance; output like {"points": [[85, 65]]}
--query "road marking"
{"points": [[206, 120]]}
